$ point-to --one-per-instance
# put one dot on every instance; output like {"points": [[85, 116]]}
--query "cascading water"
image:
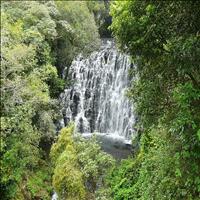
{"points": [[96, 101]]}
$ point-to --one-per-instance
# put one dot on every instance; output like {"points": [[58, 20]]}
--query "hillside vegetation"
{"points": [[163, 40], [39, 40]]}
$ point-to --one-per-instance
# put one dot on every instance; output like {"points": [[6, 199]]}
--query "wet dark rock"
{"points": [[81, 127], [87, 94], [106, 57]]}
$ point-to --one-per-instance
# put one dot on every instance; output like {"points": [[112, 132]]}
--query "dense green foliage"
{"points": [[80, 166], [77, 32], [164, 42], [100, 9], [31, 32], [39, 40], [67, 178]]}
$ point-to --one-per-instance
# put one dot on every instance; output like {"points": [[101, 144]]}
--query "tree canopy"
{"points": [[80, 165], [32, 33], [39, 40], [163, 40]]}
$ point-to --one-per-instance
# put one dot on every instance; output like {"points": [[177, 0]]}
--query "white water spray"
{"points": [[96, 101]]}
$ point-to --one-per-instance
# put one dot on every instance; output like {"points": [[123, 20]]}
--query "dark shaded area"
{"points": [[104, 32], [118, 149]]}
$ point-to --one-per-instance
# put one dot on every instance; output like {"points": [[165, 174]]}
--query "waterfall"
{"points": [[96, 100]]}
